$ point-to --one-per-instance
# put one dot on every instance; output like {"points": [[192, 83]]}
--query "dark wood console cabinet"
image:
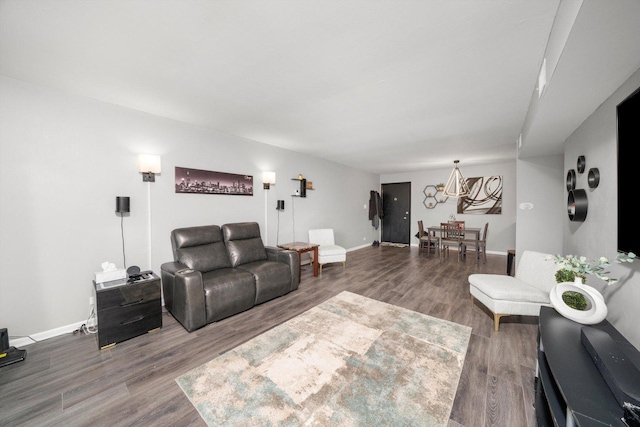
{"points": [[127, 309], [570, 391]]}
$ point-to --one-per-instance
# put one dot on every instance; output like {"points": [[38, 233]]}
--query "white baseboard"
{"points": [[33, 338], [20, 342], [359, 247]]}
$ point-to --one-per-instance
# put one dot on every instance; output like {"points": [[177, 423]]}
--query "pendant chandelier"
{"points": [[457, 184]]}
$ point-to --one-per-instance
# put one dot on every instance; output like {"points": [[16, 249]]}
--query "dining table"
{"points": [[468, 233]]}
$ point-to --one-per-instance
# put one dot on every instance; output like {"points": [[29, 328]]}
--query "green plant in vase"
{"points": [[574, 266], [581, 266], [575, 300], [565, 275]]}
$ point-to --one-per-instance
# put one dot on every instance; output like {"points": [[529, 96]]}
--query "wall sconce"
{"points": [[268, 178], [149, 165]]}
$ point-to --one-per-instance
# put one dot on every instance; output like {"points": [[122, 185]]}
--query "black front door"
{"points": [[396, 207]]}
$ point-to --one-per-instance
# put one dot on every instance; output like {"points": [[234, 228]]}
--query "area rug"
{"points": [[394, 245], [350, 361]]}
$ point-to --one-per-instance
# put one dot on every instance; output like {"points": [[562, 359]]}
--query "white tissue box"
{"points": [[108, 276]]}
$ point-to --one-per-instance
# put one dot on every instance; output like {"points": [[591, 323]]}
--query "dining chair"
{"points": [[479, 245], [451, 235], [459, 223], [426, 239]]}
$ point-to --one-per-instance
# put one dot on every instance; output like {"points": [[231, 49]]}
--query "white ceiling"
{"points": [[383, 86]]}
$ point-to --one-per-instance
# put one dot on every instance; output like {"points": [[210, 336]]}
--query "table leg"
{"points": [[299, 266], [315, 261]]}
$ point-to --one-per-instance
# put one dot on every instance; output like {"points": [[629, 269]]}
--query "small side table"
{"points": [[127, 308], [300, 248]]}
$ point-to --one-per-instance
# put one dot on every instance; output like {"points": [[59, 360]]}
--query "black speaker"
{"points": [[280, 205], [122, 204]]}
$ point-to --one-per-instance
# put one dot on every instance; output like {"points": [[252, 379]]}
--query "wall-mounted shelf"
{"points": [[580, 164], [577, 205], [432, 196], [571, 180], [304, 187], [593, 178]]}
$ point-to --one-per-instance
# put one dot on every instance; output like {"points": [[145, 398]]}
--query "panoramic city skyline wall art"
{"points": [[200, 181]]}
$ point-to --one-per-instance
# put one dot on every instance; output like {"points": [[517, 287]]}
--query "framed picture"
{"points": [[208, 182], [485, 196]]}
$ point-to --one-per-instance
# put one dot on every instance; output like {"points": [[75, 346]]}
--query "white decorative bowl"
{"points": [[596, 310]]}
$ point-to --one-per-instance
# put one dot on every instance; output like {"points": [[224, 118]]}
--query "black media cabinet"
{"points": [[570, 391]]}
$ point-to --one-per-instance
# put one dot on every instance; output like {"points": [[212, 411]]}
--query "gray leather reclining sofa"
{"points": [[220, 271]]}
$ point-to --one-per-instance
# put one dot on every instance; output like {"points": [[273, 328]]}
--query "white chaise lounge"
{"points": [[523, 294]]}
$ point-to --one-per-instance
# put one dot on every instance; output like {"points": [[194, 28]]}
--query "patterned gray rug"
{"points": [[350, 361]]}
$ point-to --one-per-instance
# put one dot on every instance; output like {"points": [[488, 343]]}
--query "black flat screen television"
{"points": [[628, 147]]}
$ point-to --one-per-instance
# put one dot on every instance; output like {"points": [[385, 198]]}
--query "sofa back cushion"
{"points": [[200, 248], [538, 270], [243, 243]]}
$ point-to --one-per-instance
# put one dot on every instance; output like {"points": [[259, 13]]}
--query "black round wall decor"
{"points": [[593, 178], [571, 180], [577, 205], [581, 164]]}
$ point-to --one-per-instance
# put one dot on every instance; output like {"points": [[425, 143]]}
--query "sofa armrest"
{"points": [[288, 257], [184, 295]]}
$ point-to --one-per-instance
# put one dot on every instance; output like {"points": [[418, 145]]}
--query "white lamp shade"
{"points": [[149, 163], [268, 177]]}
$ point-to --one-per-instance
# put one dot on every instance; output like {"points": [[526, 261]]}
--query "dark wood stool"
{"points": [[511, 253]]}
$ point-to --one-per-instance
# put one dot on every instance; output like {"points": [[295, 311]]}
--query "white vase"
{"points": [[596, 310]]}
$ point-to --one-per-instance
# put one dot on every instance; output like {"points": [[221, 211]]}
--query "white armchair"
{"points": [[523, 294], [328, 251]]}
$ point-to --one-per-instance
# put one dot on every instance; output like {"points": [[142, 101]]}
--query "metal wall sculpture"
{"points": [[485, 196], [208, 182]]}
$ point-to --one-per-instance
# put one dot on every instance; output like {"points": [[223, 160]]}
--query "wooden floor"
{"points": [[67, 381]]}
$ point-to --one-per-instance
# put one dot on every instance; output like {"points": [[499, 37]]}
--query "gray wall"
{"points": [[502, 228], [64, 159], [596, 139], [541, 206]]}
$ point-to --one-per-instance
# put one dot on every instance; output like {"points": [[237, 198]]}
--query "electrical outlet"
{"points": [[90, 300]]}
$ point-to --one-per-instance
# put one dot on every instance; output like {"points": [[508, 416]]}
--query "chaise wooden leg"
{"points": [[496, 320], [344, 265]]}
